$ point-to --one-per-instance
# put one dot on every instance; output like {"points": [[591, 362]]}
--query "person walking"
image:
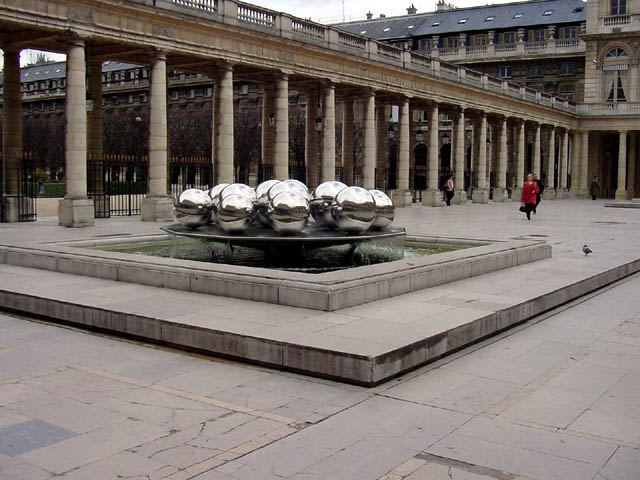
{"points": [[594, 188], [448, 190], [540, 185], [529, 195]]}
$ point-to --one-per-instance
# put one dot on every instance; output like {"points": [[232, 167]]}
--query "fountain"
{"points": [[351, 225]]}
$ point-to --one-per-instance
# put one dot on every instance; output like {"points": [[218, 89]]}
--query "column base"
{"points": [[516, 193], [459, 197], [11, 209], [156, 209], [549, 194], [75, 212], [401, 198], [621, 194], [501, 195], [480, 196], [432, 198], [562, 193]]}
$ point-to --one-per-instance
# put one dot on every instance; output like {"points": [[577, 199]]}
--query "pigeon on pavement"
{"points": [[586, 250]]}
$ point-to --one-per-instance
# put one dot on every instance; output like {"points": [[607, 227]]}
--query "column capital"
{"points": [[223, 65], [159, 54]]}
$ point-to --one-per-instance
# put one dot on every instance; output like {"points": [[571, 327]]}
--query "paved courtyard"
{"points": [[555, 398]]}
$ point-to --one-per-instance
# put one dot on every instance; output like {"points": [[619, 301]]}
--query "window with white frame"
{"points": [[615, 75], [618, 7], [505, 71]]}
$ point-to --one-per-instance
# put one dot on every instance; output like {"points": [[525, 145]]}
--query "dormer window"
{"points": [[435, 24], [518, 15], [464, 20], [410, 27], [547, 13], [386, 29], [490, 18], [363, 32]]}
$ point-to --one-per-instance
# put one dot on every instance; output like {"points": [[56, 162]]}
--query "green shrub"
{"points": [[54, 190]]}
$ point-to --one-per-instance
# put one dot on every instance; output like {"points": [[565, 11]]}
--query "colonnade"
{"points": [[498, 143]]}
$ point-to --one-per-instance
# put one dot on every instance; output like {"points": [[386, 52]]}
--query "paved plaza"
{"points": [[555, 398]]}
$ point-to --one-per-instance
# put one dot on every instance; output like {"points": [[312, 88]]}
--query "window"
{"points": [[143, 98], [509, 37], [538, 35], [618, 7], [490, 18], [518, 15], [463, 20], [386, 29], [130, 98], [435, 24], [410, 27], [174, 95], [363, 32], [479, 40], [208, 91], [505, 71], [452, 42], [425, 44], [536, 70], [615, 68], [547, 13], [191, 93], [114, 100], [616, 53], [569, 32], [568, 68]]}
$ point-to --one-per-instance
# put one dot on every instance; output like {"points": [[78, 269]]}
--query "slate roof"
{"points": [[505, 15], [48, 71]]}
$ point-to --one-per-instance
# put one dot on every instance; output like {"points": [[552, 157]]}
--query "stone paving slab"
{"points": [[364, 344]]}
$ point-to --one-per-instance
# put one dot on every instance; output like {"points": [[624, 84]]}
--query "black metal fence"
{"points": [[189, 172], [27, 189], [117, 184]]}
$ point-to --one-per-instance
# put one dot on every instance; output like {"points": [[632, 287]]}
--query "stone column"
{"points": [[481, 193], [224, 123], [536, 152], [402, 196], [312, 153], [584, 164], [281, 150], [562, 191], [75, 209], [157, 206], [550, 181], [381, 145], [268, 129], [11, 133], [633, 152], [575, 164], [459, 196], [347, 140], [369, 144], [328, 134], [519, 179], [500, 193], [432, 196], [621, 192]]}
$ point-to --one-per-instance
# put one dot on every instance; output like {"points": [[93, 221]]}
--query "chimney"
{"points": [[382, 15], [412, 10], [369, 16], [443, 6]]}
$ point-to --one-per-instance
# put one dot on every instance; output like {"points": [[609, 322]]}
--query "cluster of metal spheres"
{"points": [[285, 206]]}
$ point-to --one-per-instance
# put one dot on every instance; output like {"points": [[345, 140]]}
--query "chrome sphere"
{"points": [[235, 213], [262, 192], [385, 210], [192, 208], [354, 209], [214, 194], [288, 212], [285, 186], [239, 189], [321, 201], [298, 185]]}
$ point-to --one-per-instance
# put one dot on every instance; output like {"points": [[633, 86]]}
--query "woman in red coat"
{"points": [[529, 192]]}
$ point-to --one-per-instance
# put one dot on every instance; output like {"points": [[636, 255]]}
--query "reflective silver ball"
{"points": [[299, 186], [354, 210], [385, 210], [239, 189], [235, 212], [321, 201], [262, 192], [288, 212], [214, 194], [192, 208], [285, 186]]}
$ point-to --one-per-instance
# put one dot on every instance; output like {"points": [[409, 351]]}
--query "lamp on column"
{"points": [[319, 124], [419, 136]]}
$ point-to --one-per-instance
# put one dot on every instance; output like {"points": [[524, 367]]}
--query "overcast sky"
{"points": [[331, 11]]}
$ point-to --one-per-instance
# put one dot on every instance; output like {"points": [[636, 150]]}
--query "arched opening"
{"points": [[445, 163], [615, 76]]}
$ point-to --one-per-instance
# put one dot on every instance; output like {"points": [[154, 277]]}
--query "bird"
{"points": [[586, 250]]}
